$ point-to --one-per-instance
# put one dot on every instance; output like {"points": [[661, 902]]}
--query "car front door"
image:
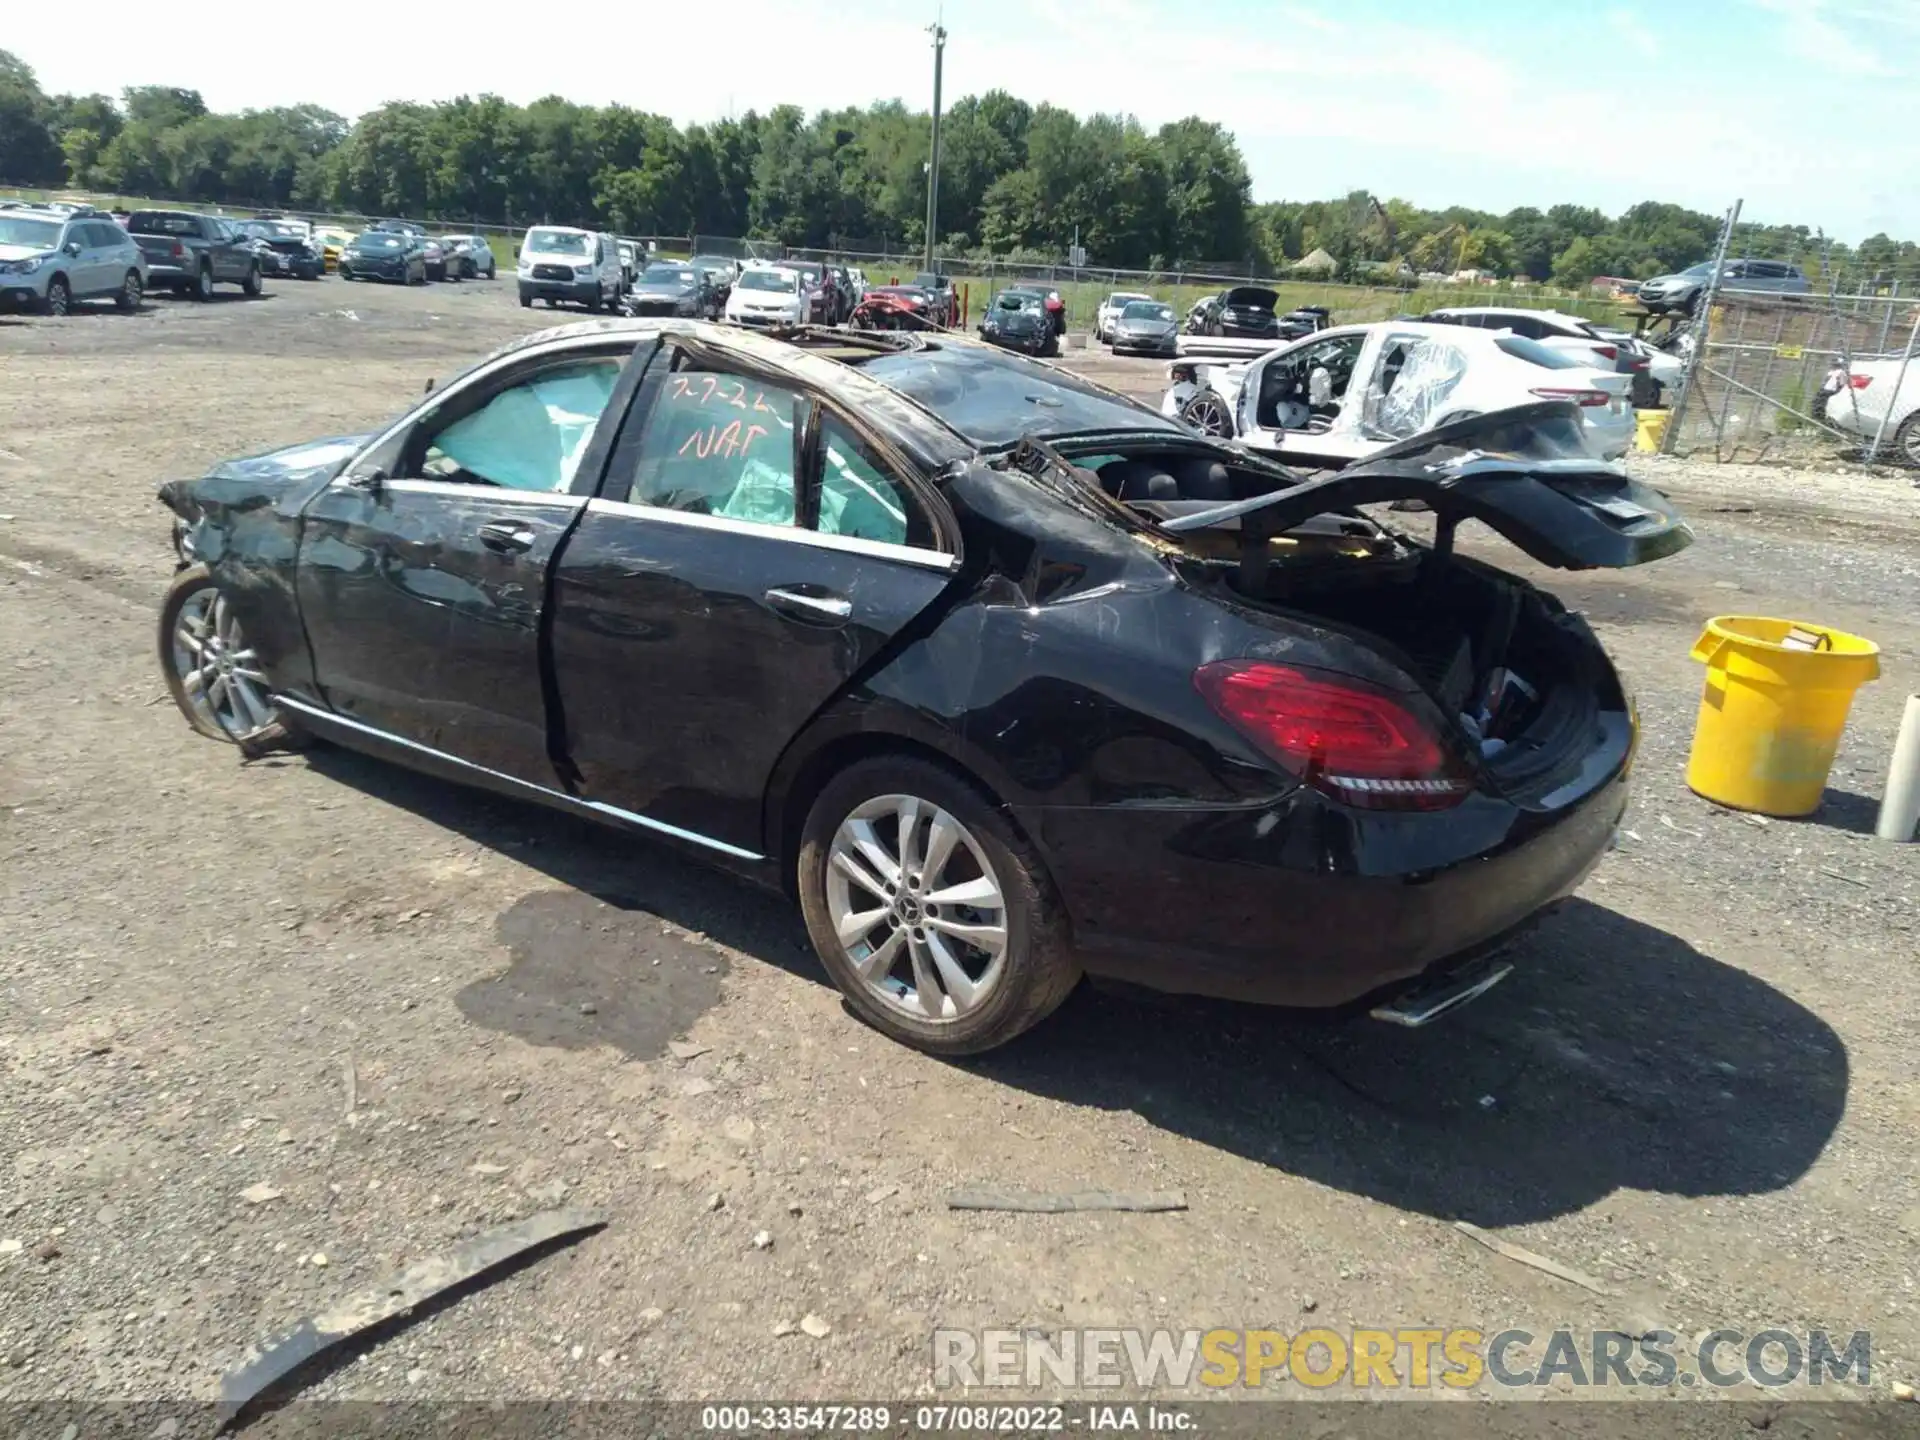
{"points": [[751, 550], [232, 255], [95, 260], [423, 567]]}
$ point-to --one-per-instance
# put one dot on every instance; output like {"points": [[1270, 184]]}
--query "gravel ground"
{"points": [[413, 1011]]}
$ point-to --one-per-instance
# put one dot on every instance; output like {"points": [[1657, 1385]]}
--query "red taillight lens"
{"points": [[1588, 398], [179, 250], [1360, 745], [1611, 352], [1640, 365], [1859, 382]]}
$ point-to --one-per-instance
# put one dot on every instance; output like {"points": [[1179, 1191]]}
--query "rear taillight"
{"points": [[1360, 745], [179, 251], [1610, 352], [1588, 398], [1640, 365], [1859, 382]]}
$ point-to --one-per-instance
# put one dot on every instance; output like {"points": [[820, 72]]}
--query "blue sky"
{"points": [[1809, 109]]}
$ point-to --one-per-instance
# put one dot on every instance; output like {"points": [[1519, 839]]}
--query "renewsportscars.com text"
{"points": [[1411, 1357]]}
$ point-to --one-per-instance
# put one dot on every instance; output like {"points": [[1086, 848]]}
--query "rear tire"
{"points": [[1906, 442], [131, 293], [976, 997], [203, 283], [1208, 414]]}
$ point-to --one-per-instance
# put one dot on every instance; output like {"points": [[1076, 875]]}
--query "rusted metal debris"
{"points": [[273, 1361]]}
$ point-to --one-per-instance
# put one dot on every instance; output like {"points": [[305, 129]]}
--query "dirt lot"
{"points": [[1699, 1087]]}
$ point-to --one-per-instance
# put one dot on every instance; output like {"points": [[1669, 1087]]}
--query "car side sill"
{"points": [[324, 721]]}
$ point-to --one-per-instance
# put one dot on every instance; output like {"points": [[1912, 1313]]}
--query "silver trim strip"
{"points": [[1421, 1009], [852, 544], [567, 802], [460, 490]]}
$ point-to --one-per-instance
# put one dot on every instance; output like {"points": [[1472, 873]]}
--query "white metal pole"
{"points": [[1900, 810]]}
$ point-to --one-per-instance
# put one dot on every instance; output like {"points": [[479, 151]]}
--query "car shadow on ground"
{"points": [[223, 296], [1616, 1055], [628, 873]]}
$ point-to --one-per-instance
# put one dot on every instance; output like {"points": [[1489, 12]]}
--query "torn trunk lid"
{"points": [[1525, 473]]}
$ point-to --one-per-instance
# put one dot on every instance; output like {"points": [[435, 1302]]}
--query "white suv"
{"points": [[558, 262], [49, 259]]}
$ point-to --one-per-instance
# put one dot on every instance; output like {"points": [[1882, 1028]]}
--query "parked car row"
{"points": [[56, 255]]}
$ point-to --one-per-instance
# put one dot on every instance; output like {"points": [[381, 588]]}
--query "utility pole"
{"points": [[939, 33]]}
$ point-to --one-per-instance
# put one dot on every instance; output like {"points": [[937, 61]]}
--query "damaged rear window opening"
{"points": [[992, 399]]}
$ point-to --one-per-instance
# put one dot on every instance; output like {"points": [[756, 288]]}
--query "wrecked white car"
{"points": [[1343, 394]]}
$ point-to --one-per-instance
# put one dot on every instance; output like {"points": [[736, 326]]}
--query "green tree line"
{"points": [[1016, 181]]}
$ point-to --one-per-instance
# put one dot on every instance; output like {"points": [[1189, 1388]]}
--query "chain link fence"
{"points": [[1795, 352]]}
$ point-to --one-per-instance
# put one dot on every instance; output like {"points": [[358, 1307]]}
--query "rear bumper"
{"points": [[171, 272], [1298, 904], [1844, 412], [1027, 344]]}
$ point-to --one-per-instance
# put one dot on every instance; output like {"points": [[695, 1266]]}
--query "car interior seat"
{"points": [[1185, 478]]}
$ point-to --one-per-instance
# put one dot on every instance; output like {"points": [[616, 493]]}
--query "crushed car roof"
{"points": [[943, 396]]}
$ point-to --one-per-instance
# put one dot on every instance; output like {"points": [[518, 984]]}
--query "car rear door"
{"points": [[423, 568], [753, 549]]}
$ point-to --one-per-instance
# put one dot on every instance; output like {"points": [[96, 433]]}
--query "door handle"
{"points": [[506, 536], [803, 606]]}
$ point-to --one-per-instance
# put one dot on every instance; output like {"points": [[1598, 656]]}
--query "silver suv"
{"points": [[1683, 291], [49, 259]]}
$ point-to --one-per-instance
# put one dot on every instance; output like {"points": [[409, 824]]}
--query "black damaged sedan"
{"points": [[1004, 677], [1018, 320]]}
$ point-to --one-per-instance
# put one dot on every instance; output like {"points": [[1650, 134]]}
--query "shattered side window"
{"points": [[1411, 387], [718, 444]]}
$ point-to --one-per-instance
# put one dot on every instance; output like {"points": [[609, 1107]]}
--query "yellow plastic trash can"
{"points": [[1649, 429], [1773, 710]]}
